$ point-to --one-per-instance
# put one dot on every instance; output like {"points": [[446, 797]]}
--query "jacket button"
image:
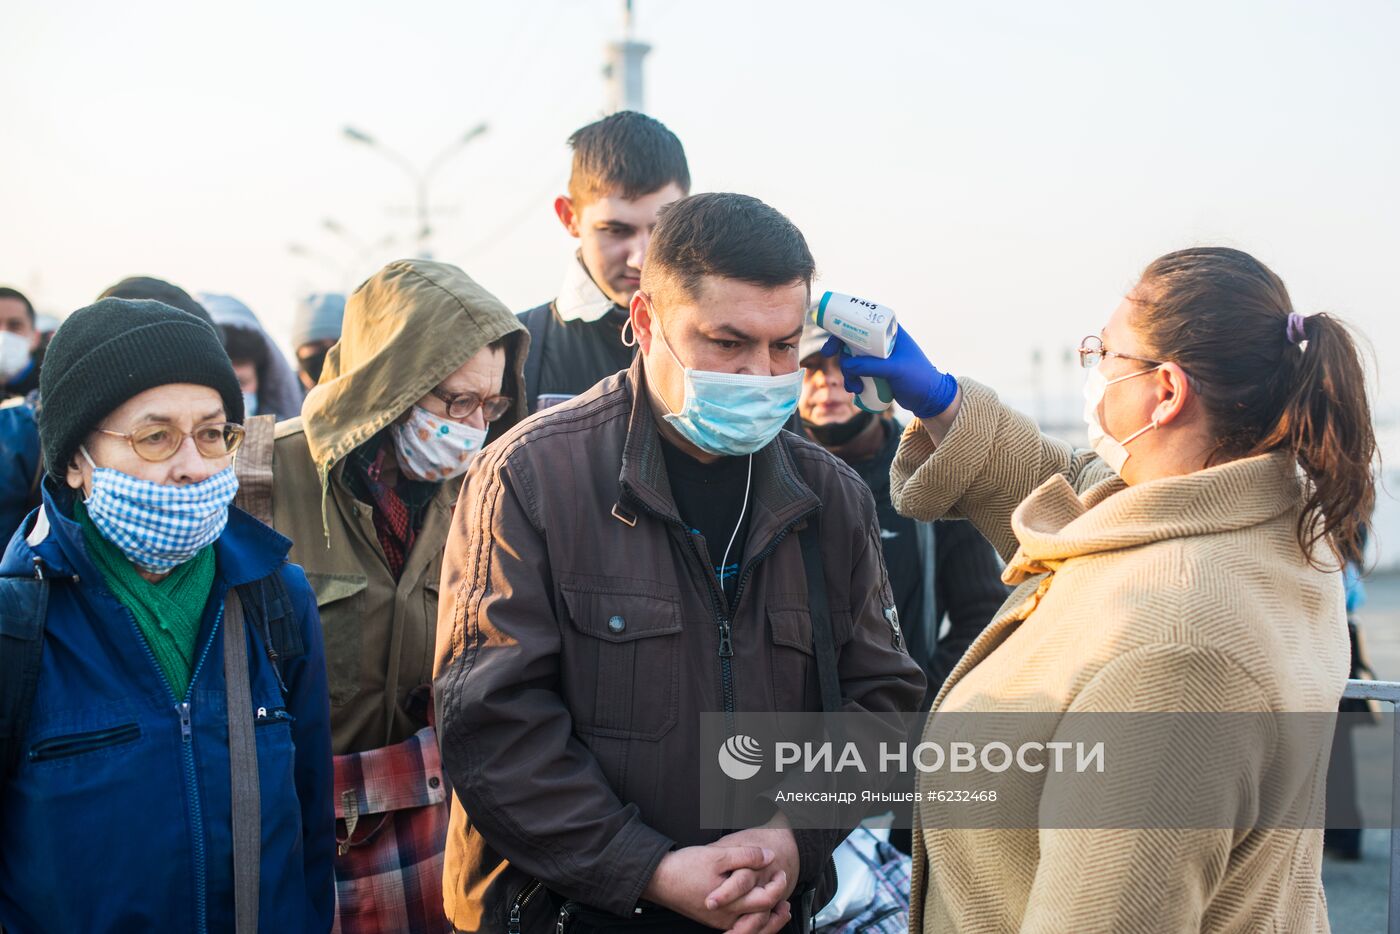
{"points": [[434, 781], [617, 624]]}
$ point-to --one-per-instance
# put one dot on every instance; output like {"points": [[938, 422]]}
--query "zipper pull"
{"points": [[563, 921], [513, 925], [726, 644], [183, 709], [897, 634]]}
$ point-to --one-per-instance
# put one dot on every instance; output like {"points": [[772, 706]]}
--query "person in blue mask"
{"points": [[631, 558], [164, 720]]}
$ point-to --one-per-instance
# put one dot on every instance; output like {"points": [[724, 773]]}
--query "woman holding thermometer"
{"points": [[1188, 562]]}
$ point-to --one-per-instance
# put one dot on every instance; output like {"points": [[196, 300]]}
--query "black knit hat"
{"points": [[104, 354]]}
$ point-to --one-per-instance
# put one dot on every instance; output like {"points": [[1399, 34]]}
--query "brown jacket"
{"points": [[406, 329], [1187, 593], [579, 642]]}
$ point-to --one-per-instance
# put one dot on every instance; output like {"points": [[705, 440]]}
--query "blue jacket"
{"points": [[19, 465], [118, 816]]}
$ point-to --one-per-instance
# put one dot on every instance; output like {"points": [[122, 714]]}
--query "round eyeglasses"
{"points": [[463, 405], [160, 442]]}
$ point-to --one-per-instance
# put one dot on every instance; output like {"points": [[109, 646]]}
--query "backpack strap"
{"points": [[253, 465], [536, 321], [243, 770], [823, 639], [268, 608], [24, 604]]}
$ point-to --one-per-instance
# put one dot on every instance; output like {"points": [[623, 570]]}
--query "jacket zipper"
{"points": [[75, 744], [521, 900], [723, 622], [267, 717], [182, 710], [766, 553], [726, 631]]}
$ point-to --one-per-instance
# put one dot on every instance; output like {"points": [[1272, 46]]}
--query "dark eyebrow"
{"points": [[739, 335], [732, 332]]}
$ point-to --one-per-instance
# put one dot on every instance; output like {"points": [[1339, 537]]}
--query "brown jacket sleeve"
{"points": [[992, 458], [537, 794]]}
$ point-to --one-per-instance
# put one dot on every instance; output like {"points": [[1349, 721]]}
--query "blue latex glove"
{"points": [[917, 385]]}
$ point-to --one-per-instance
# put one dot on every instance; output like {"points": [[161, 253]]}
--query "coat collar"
{"points": [[579, 298], [1054, 523], [780, 496]]}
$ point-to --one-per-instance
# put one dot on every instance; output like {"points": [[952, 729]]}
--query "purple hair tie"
{"points": [[1296, 332]]}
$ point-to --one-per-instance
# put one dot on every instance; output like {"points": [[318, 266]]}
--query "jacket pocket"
{"points": [[340, 600], [792, 659], [621, 670], [77, 744]]}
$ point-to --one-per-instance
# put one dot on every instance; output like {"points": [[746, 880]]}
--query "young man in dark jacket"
{"points": [[123, 812], [630, 560], [626, 167], [938, 570]]}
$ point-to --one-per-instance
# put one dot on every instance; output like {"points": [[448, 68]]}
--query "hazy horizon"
{"points": [[997, 173]]}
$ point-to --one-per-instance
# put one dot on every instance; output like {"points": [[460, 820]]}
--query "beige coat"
{"points": [[1187, 593]]}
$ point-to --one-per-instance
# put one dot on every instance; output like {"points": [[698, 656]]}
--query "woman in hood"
{"points": [[427, 370]]}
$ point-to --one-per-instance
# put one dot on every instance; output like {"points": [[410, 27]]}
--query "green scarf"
{"points": [[168, 613]]}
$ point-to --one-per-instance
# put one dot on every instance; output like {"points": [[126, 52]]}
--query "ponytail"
{"points": [[1326, 424], [1269, 380]]}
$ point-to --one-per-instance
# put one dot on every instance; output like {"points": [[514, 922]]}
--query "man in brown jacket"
{"points": [[630, 559]]}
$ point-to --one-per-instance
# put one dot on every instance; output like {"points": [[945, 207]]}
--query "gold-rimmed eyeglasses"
{"points": [[160, 442]]}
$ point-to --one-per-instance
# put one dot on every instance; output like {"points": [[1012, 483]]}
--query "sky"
{"points": [[997, 172]]}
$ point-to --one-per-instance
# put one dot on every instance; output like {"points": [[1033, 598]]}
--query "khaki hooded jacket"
{"points": [[406, 329]]}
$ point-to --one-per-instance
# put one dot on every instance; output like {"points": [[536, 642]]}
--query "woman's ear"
{"points": [[73, 476], [1173, 392]]}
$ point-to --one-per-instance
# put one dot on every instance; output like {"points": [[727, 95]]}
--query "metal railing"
{"points": [[1388, 692]]}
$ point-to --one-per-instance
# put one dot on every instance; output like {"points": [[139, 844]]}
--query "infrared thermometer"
{"points": [[865, 327]]}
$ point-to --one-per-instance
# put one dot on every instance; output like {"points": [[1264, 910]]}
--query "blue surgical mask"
{"points": [[159, 526], [731, 414]]}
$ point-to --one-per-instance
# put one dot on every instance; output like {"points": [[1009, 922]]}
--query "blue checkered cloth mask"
{"points": [[159, 526]]}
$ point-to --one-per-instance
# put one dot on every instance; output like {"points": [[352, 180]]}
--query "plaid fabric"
{"points": [[398, 509], [887, 912], [160, 526], [391, 812]]}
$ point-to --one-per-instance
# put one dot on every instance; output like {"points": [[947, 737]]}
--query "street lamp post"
{"points": [[420, 178]]}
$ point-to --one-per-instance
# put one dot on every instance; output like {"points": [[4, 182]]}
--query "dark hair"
{"points": [[7, 292], [1223, 316], [627, 153], [246, 346], [158, 290], [728, 236]]}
